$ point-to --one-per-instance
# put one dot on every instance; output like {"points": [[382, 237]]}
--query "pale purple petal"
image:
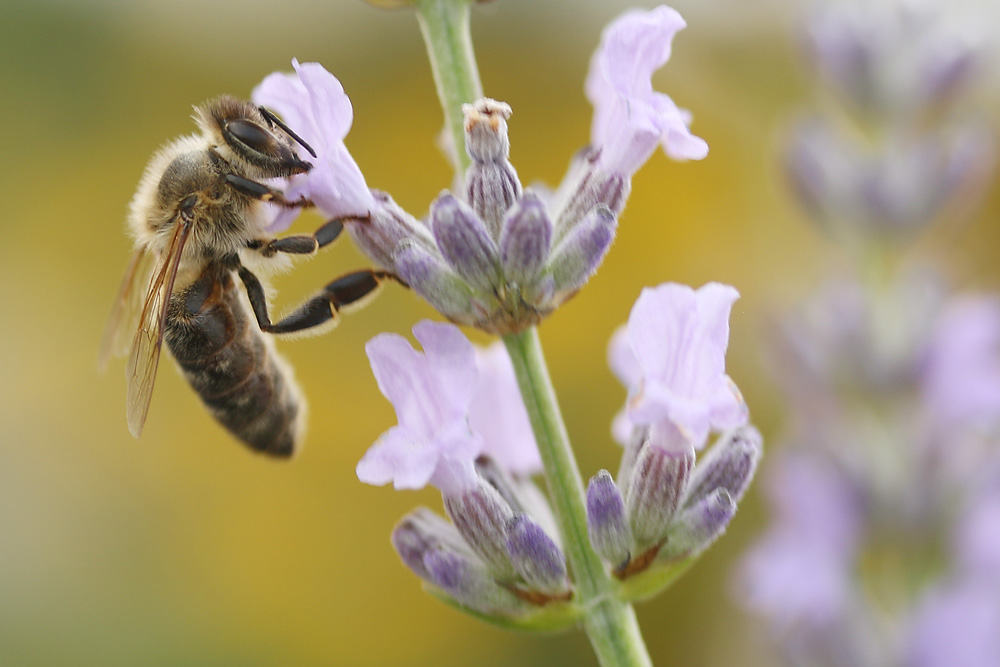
{"points": [[622, 359], [630, 119], [498, 414], [431, 393], [314, 105], [678, 337]]}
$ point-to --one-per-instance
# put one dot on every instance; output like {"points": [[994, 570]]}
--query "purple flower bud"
{"points": [[586, 186], [486, 130], [470, 581], [695, 528], [525, 240], [491, 181], [421, 531], [481, 517], [465, 243], [535, 556], [656, 486], [730, 464], [577, 257], [431, 278], [388, 227], [609, 531]]}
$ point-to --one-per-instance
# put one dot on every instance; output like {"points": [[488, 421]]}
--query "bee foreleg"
{"points": [[264, 192], [347, 291]]}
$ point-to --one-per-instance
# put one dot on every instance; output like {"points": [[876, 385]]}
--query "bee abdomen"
{"points": [[235, 371]]}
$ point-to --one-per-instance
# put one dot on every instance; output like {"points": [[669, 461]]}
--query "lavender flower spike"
{"points": [[313, 102], [630, 118], [678, 337], [431, 393]]}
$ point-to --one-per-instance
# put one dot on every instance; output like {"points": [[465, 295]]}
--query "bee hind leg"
{"points": [[350, 291]]}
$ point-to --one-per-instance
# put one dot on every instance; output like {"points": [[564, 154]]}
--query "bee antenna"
{"points": [[274, 120]]}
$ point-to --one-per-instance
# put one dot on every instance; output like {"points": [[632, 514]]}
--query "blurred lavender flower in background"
{"points": [[892, 382]]}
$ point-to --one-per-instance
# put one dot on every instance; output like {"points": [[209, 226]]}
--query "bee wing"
{"points": [[145, 353], [124, 316]]}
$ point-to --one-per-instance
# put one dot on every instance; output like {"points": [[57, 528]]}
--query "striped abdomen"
{"points": [[232, 365]]}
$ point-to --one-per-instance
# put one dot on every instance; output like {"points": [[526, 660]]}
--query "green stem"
{"points": [[610, 623], [445, 27]]}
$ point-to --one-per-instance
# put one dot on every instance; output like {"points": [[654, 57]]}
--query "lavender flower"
{"points": [[314, 103], [962, 372], [673, 361], [495, 556], [431, 393], [956, 622], [630, 118], [800, 570]]}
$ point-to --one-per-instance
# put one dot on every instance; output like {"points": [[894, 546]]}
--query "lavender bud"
{"points": [[593, 187], [481, 517], [491, 181], [577, 257], [427, 274], [698, 526], [389, 225], [606, 524], [535, 556], [730, 464], [486, 137], [469, 580], [464, 242], [420, 532], [655, 488], [525, 240]]}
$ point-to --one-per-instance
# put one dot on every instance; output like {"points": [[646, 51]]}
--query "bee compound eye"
{"points": [[252, 135]]}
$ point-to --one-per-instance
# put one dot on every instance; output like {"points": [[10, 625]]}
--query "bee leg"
{"points": [[301, 244], [264, 192], [349, 291]]}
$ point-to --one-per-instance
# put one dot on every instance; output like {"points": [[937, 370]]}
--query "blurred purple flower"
{"points": [[630, 118], [313, 103], [962, 376], [800, 571], [673, 361], [498, 414], [957, 625], [431, 393]]}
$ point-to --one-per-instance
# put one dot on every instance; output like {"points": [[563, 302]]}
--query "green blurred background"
{"points": [[183, 548]]}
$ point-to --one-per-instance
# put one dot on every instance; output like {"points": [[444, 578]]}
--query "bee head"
{"points": [[254, 136]]}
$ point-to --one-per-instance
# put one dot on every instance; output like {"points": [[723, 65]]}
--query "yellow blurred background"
{"points": [[184, 548]]}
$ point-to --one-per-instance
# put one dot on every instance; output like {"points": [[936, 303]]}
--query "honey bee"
{"points": [[198, 219]]}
